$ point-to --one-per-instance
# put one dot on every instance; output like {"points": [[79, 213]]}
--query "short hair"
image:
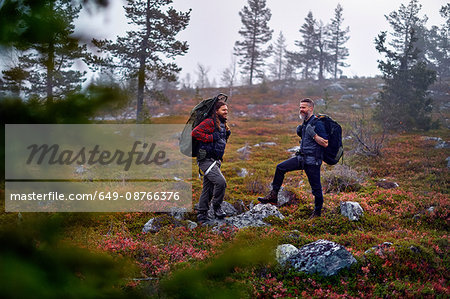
{"points": [[307, 100]]}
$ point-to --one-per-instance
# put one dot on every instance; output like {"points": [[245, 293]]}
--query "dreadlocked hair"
{"points": [[216, 116]]}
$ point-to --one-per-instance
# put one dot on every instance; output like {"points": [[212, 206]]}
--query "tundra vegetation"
{"points": [[395, 166]]}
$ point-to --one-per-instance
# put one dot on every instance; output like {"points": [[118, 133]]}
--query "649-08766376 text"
{"points": [[98, 195]]}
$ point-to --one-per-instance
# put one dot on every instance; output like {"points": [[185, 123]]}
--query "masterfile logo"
{"points": [[96, 168], [54, 155]]}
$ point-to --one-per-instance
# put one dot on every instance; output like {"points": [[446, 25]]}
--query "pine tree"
{"points": [[279, 57], [14, 80], [403, 21], [48, 53], [438, 45], [306, 57], [140, 53], [255, 33], [404, 101], [338, 36], [322, 55]]}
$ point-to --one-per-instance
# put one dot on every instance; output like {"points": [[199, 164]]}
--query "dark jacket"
{"points": [[309, 148], [215, 148]]}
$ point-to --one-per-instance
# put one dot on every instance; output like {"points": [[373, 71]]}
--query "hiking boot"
{"points": [[271, 198], [218, 212], [314, 214], [202, 217]]}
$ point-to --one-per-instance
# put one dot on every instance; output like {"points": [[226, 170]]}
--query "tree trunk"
{"points": [[140, 91], [141, 73], [50, 69]]}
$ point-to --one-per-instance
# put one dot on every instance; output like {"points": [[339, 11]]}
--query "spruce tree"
{"points": [[338, 36], [404, 101], [403, 21], [306, 57], [438, 45], [256, 33], [47, 52], [143, 52], [323, 57], [279, 57]]}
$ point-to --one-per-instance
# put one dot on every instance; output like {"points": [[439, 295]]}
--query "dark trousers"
{"points": [[214, 185], [312, 172]]}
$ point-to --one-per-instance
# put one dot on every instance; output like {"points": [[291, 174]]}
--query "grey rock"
{"points": [[356, 106], [293, 234], [335, 87], [442, 144], [323, 257], [346, 97], [439, 142], [254, 217], [242, 173], [426, 138], [240, 206], [448, 162], [372, 97], [265, 144], [284, 252], [379, 249], [244, 148], [244, 152], [155, 224], [148, 227], [294, 149], [191, 224], [319, 102], [352, 210], [177, 213], [286, 197], [430, 210], [386, 184]]}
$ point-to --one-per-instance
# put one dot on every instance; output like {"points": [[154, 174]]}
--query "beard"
{"points": [[222, 118], [302, 116]]}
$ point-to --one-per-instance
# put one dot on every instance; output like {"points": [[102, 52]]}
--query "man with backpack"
{"points": [[212, 134], [314, 138]]}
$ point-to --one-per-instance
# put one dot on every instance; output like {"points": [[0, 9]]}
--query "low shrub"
{"points": [[343, 178]]}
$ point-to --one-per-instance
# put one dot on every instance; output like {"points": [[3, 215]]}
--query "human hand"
{"points": [[310, 131]]}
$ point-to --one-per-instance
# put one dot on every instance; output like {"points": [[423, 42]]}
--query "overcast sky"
{"points": [[214, 25]]}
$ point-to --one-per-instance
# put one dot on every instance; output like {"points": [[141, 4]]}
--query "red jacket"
{"points": [[203, 132]]}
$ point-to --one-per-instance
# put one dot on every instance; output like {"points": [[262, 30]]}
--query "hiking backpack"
{"points": [[334, 151], [188, 145]]}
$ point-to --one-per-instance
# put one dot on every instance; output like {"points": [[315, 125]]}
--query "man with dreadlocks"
{"points": [[212, 133]]}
